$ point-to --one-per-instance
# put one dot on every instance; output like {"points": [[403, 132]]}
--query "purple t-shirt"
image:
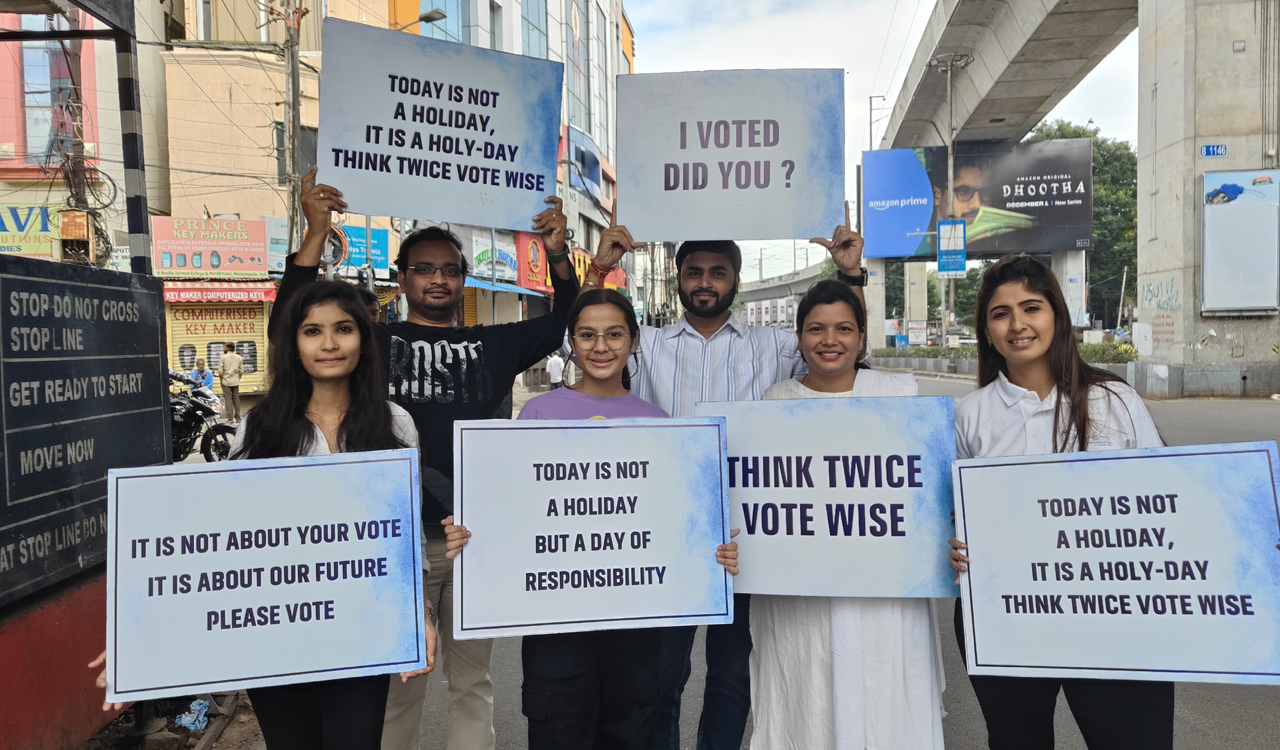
{"points": [[566, 403]]}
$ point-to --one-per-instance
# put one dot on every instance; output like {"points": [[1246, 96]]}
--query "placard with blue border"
{"points": [[1153, 564]]}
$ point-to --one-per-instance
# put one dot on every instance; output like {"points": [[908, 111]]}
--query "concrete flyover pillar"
{"points": [[1069, 267], [1208, 76], [915, 292]]}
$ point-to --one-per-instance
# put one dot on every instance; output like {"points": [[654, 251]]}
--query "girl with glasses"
{"points": [[599, 689]]}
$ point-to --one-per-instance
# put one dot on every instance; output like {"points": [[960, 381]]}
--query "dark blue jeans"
{"points": [[727, 697]]}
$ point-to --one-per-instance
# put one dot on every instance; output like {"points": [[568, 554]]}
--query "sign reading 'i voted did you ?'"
{"points": [[842, 496], [427, 129], [311, 569], [1151, 564], [590, 525], [749, 154]]}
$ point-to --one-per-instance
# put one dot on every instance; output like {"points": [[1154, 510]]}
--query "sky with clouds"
{"points": [[872, 40]]}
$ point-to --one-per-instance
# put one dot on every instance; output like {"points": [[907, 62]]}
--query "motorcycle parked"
{"points": [[194, 417]]}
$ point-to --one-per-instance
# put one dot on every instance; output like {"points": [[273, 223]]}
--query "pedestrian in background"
{"points": [[555, 370], [201, 375], [843, 673], [230, 369], [1036, 396]]}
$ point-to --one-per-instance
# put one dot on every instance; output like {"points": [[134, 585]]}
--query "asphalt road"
{"points": [[1207, 717]]}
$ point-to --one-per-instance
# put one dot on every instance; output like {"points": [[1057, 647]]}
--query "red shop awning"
{"points": [[219, 291]]}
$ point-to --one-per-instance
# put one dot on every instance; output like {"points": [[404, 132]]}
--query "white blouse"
{"points": [[1002, 419], [867, 383], [401, 425]]}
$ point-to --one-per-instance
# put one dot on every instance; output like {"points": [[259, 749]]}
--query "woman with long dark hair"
{"points": [[328, 395], [1036, 395], [599, 689], [842, 673]]}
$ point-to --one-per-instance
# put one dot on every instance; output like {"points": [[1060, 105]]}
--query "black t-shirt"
{"points": [[440, 375]]}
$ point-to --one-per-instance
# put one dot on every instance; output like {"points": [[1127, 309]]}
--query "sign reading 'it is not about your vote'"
{"points": [[81, 372], [841, 497], [592, 525], [310, 569], [426, 129], [1153, 564], [749, 154]]}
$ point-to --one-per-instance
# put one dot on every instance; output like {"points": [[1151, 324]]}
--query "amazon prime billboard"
{"points": [[1014, 197]]}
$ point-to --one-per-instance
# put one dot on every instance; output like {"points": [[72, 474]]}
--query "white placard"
{"points": [[1155, 564], [421, 128], [841, 497], [589, 525], [288, 570], [731, 154]]}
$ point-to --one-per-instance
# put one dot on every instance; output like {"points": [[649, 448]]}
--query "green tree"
{"points": [[895, 301], [1115, 215], [967, 296]]}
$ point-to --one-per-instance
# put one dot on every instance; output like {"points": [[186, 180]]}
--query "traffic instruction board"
{"points": [[82, 372]]}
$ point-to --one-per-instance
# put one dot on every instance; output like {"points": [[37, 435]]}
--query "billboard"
{"points": [[28, 230], [531, 254], [209, 248], [1014, 197]]}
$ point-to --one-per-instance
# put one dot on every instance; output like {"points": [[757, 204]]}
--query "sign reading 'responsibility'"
{"points": [[426, 129], [1155, 564], [841, 497], [749, 154], [591, 525], [310, 569]]}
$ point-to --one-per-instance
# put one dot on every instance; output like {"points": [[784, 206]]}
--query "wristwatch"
{"points": [[860, 280]]}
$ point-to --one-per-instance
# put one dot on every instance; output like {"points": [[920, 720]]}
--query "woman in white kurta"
{"points": [[843, 673]]}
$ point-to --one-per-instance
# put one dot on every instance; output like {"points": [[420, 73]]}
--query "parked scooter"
{"points": [[194, 416]]}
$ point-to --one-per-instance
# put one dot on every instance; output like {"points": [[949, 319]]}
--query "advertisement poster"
{"points": [[427, 129], [488, 261], [1152, 564], [1241, 242], [748, 154], [310, 570], [824, 487], [591, 525], [534, 268], [277, 230], [1021, 197], [28, 230], [209, 248], [355, 259]]}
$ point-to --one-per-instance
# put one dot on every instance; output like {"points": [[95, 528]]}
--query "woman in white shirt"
{"points": [[328, 395], [1037, 396], [842, 673]]}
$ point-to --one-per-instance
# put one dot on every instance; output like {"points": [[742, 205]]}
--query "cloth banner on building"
{"points": [[209, 248], [534, 268], [426, 129], [841, 497], [590, 525], [28, 230], [747, 154], [1154, 564], [310, 570]]}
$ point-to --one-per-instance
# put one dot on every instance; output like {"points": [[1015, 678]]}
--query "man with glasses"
{"points": [[440, 372], [709, 355]]}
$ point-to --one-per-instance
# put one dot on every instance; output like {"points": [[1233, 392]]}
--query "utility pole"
{"points": [[293, 124], [871, 121], [945, 64], [1124, 279]]}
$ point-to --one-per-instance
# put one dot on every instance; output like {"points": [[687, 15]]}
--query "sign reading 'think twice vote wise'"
{"points": [[1152, 564]]}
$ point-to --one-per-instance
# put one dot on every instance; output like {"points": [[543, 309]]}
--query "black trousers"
{"points": [[591, 691], [330, 715], [1111, 714]]}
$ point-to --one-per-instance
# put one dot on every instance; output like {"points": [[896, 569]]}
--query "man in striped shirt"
{"points": [[709, 355]]}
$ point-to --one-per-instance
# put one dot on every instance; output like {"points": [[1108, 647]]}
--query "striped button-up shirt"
{"points": [[676, 367]]}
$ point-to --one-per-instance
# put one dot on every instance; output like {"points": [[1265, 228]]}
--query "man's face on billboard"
{"points": [[970, 182]]}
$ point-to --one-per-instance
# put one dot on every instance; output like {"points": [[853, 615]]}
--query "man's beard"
{"points": [[719, 306], [435, 309]]}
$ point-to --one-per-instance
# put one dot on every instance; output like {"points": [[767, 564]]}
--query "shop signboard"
{"points": [[531, 257], [495, 259], [28, 230], [1024, 197], [82, 373], [209, 248], [356, 251], [277, 229]]}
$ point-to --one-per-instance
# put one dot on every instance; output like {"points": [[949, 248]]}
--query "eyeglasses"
{"points": [[613, 339], [966, 192], [428, 270]]}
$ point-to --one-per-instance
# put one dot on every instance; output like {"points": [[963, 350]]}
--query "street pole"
{"points": [[294, 124], [795, 256], [493, 277], [761, 264], [947, 64], [871, 122], [1120, 308]]}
